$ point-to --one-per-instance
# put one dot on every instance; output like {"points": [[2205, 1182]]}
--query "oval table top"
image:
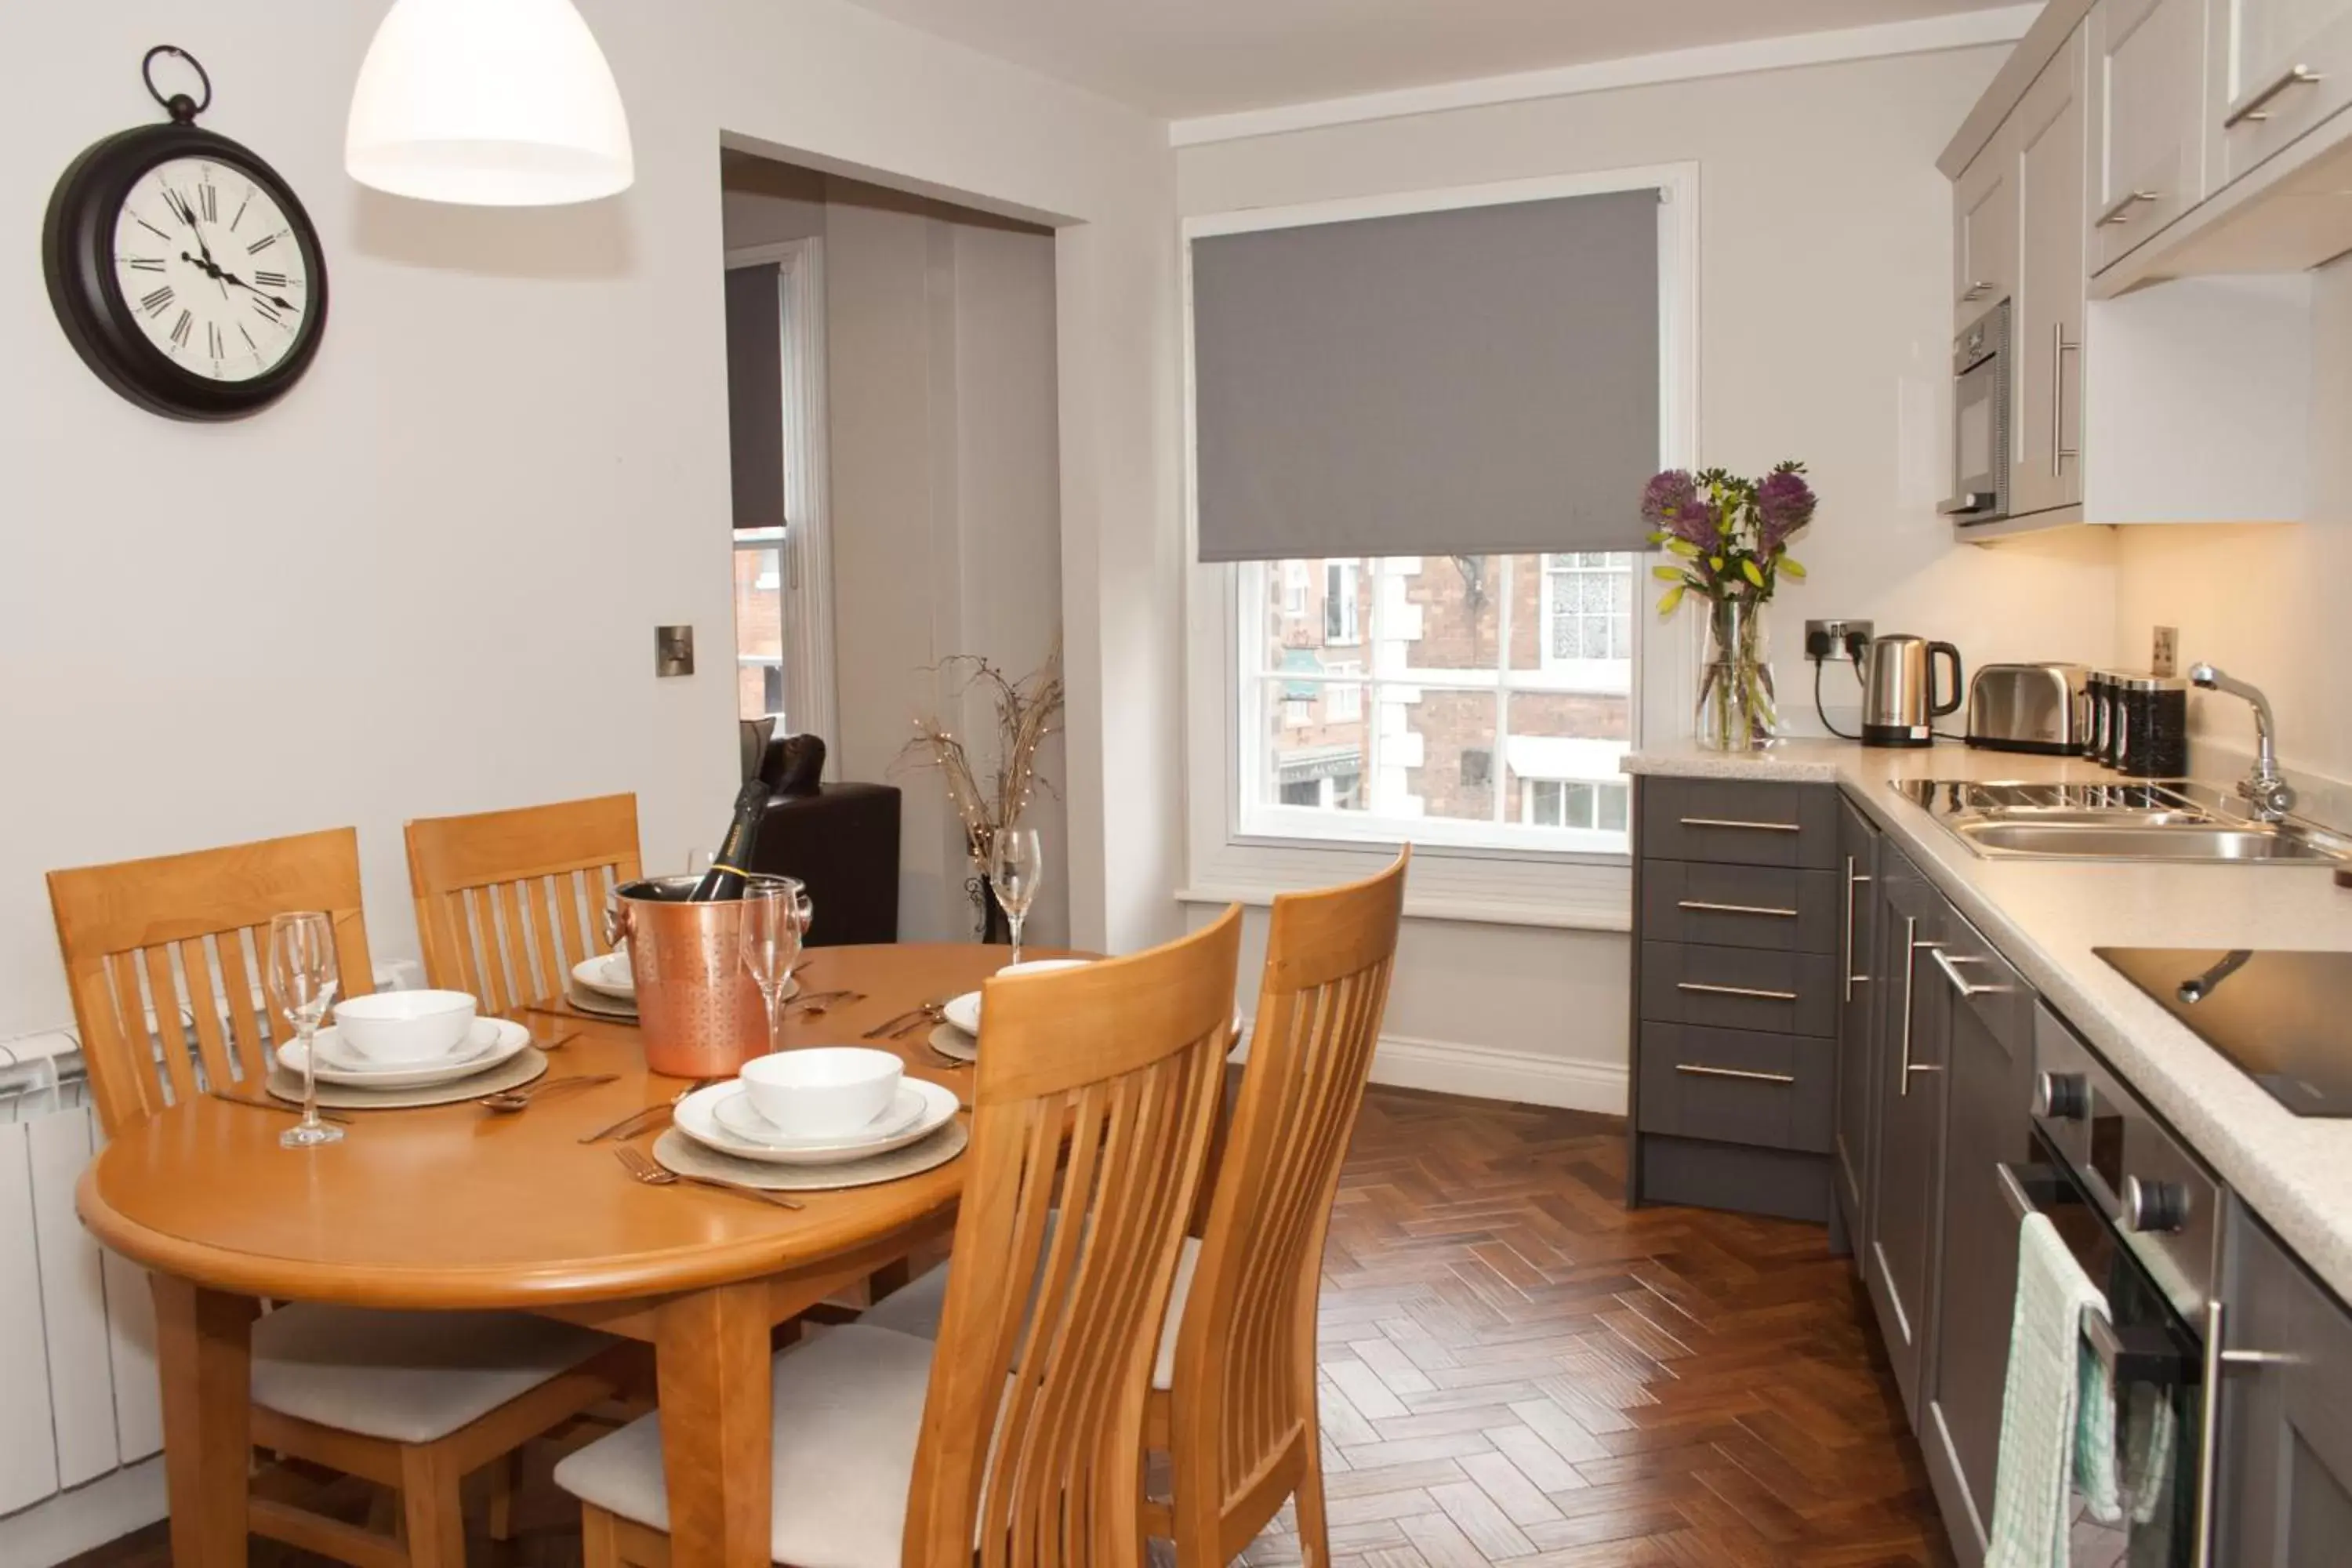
{"points": [[456, 1206]]}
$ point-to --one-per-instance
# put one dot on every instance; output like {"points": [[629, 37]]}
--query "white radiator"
{"points": [[77, 1392]]}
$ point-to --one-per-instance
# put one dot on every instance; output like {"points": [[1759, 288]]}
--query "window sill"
{"points": [[1455, 911], [1478, 886]]}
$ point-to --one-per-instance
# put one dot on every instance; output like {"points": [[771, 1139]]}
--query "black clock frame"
{"points": [[77, 257]]}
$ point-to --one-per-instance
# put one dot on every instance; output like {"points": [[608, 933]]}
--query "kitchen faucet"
{"points": [[2272, 795]]}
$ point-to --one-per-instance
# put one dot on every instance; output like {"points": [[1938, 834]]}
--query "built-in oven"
{"points": [[2143, 1218], [1981, 419]]}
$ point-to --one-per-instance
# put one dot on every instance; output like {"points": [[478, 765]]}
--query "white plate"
{"points": [[950, 1041], [696, 1117], [608, 973], [963, 1012], [493, 1041], [738, 1116]]}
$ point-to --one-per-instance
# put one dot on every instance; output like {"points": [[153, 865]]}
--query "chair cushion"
{"points": [[917, 1307], [409, 1377], [848, 1411]]}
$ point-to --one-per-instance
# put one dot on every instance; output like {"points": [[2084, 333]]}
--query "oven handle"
{"points": [[2135, 1353]]}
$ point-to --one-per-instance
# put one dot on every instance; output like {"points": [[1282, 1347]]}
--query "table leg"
{"points": [[711, 1357], [204, 1352]]}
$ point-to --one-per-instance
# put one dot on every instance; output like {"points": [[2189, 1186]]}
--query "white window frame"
{"points": [[811, 693], [1557, 883], [1295, 596], [1585, 674]]}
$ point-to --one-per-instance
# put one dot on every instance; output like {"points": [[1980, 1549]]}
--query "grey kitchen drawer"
{"points": [[1736, 1086], [1735, 821], [1740, 988], [1742, 906]]}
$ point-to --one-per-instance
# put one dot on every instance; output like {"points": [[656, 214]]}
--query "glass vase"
{"points": [[1736, 710]]}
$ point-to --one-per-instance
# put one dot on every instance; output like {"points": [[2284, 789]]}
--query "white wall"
{"points": [[2266, 601], [426, 581], [1824, 330]]}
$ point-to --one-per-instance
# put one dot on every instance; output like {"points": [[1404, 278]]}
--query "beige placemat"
{"points": [[675, 1151], [950, 1041], [513, 1073]]}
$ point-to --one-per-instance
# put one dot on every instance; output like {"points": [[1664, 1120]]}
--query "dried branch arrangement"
{"points": [[1027, 711]]}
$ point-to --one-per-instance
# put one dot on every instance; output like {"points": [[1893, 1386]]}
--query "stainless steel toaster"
{"points": [[2027, 708]]}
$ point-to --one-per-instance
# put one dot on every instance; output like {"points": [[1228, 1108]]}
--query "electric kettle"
{"points": [[1901, 697]]}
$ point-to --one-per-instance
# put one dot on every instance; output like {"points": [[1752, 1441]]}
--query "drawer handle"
{"points": [[1705, 990], [1735, 821], [2121, 211], [1702, 906], [2255, 105], [1960, 982], [1744, 1075], [1852, 879]]}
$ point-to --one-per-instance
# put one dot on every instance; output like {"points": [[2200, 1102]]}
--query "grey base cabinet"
{"points": [[2284, 1486], [1858, 998], [1905, 1237], [1739, 936]]}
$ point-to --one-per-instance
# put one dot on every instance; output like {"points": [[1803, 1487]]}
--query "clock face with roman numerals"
{"points": [[185, 272], [207, 259]]}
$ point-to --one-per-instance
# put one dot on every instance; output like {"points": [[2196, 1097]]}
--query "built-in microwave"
{"points": [[1980, 418]]}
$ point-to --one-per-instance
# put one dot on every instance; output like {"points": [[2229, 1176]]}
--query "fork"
{"points": [[814, 1003], [641, 1168], [931, 1013], [508, 1101]]}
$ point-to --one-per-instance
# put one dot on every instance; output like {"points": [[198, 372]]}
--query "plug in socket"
{"points": [[1830, 639]]}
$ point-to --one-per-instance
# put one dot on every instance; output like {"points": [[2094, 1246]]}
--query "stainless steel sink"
{"points": [[2148, 821]]}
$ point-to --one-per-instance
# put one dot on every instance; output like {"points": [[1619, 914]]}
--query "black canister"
{"points": [[2098, 715], [2152, 726]]}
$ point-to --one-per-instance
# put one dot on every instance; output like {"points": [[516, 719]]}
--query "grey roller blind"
{"points": [[755, 396], [1481, 380]]}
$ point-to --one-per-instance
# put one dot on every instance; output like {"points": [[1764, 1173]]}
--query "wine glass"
{"points": [[803, 916], [1016, 861], [301, 984], [772, 941]]}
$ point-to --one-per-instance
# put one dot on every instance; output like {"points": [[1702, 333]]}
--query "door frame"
{"points": [[812, 700]]}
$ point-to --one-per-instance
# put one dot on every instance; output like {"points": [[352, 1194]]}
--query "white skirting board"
{"points": [[73, 1522], [1485, 1072]]}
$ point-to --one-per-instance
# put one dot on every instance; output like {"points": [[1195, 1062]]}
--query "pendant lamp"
{"points": [[487, 103]]}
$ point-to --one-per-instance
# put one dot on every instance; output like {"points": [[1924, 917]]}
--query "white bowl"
{"points": [[823, 1090], [404, 1026]]}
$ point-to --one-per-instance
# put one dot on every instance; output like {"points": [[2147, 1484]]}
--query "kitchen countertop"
{"points": [[2046, 917]]}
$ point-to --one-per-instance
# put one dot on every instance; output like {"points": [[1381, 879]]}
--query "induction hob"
{"points": [[2283, 1018]]}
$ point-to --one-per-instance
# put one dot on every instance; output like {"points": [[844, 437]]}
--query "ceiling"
{"points": [[1179, 59]]}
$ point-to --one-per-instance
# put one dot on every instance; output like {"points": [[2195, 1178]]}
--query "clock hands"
{"points": [[187, 214], [212, 270]]}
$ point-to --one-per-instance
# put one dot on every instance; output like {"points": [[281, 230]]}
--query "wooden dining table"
{"points": [[458, 1207]]}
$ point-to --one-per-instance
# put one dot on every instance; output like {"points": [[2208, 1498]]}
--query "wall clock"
{"points": [[183, 268]]}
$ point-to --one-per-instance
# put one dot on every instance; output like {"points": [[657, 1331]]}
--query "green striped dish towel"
{"points": [[2050, 1404]]}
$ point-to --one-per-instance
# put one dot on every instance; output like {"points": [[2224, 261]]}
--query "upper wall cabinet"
{"points": [[2278, 68], [2045, 167], [1984, 233], [2147, 119]]}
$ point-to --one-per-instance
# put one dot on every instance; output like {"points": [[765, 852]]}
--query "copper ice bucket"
{"points": [[699, 1010]]}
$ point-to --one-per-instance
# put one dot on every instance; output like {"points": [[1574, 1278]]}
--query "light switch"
{"points": [[673, 650]]}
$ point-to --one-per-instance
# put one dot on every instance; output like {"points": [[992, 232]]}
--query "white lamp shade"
{"points": [[487, 103]]}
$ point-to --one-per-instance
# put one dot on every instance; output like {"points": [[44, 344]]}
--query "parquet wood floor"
{"points": [[1516, 1370]]}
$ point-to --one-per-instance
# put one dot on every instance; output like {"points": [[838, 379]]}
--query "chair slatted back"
{"points": [[1244, 1390], [157, 951], [1094, 1096], [508, 901]]}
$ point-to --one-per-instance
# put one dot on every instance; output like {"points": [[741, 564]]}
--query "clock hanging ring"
{"points": [[181, 265]]}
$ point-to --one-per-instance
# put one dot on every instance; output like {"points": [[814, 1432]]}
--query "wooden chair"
{"points": [[508, 901], [158, 949], [1235, 1408], [1233, 1400], [1020, 1441]]}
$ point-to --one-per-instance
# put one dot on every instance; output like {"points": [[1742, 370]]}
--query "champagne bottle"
{"points": [[728, 872]]}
